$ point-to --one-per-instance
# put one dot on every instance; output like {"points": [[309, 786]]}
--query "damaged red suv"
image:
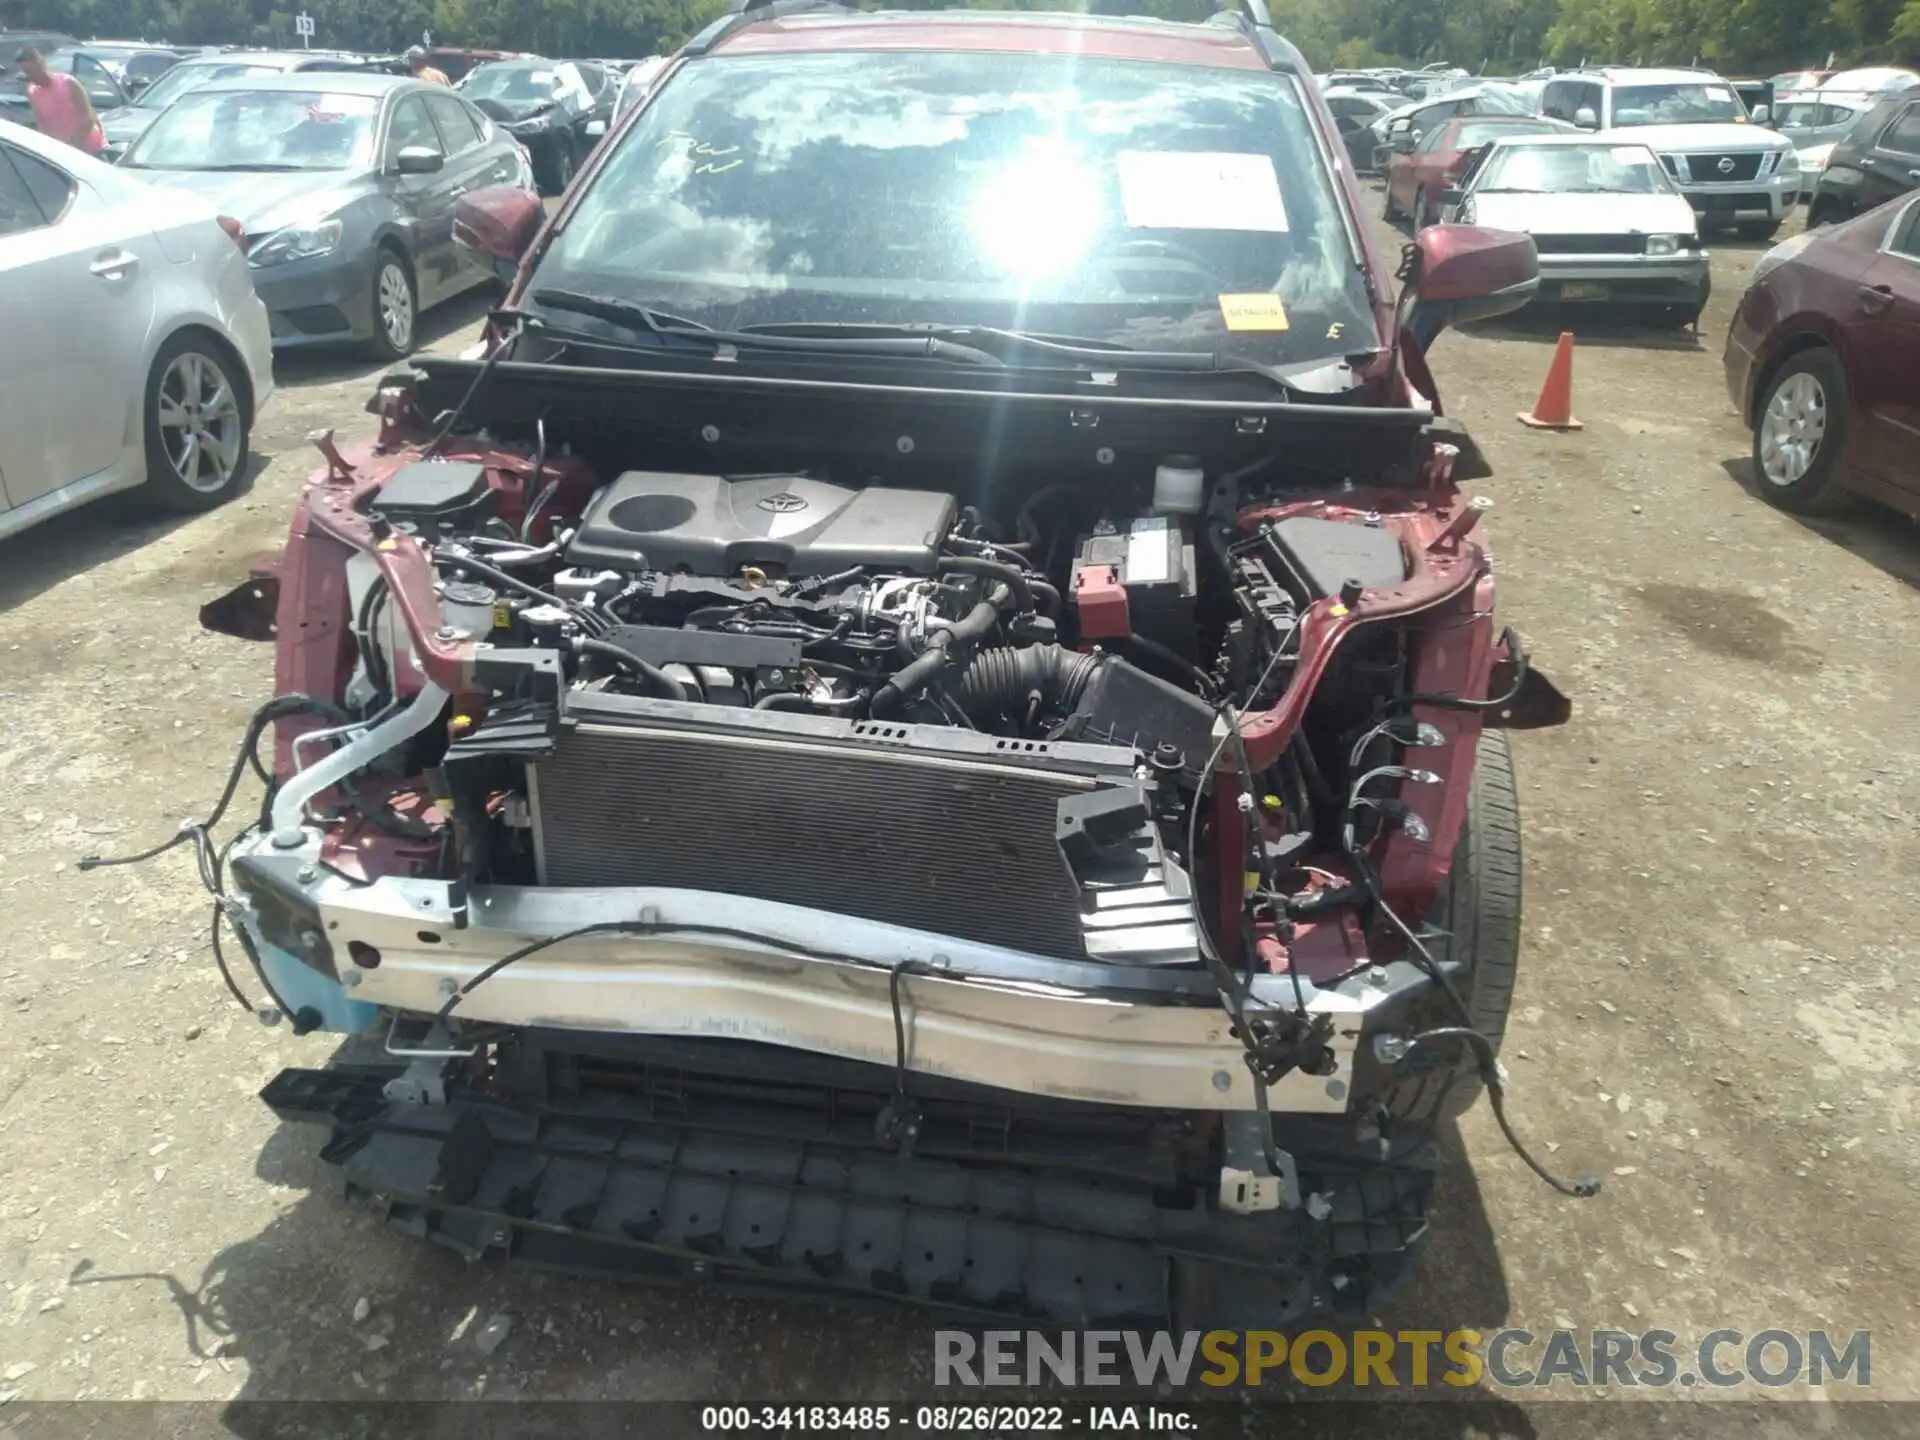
{"points": [[928, 720]]}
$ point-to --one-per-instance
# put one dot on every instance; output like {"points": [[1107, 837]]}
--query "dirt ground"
{"points": [[1715, 1010]]}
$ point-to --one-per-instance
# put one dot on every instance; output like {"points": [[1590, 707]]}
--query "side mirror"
{"points": [[135, 86], [596, 128], [496, 227], [1463, 273], [1585, 118], [1762, 114], [417, 160], [1453, 195], [1403, 143]]}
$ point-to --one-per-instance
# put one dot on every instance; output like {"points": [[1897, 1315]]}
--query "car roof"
{"points": [[1220, 46], [1625, 75], [1500, 118], [331, 82], [285, 59], [1572, 139]]}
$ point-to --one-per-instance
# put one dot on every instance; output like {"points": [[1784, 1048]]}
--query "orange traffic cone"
{"points": [[1554, 409]]}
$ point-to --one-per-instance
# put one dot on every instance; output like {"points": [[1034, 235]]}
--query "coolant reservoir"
{"points": [[1179, 486]]}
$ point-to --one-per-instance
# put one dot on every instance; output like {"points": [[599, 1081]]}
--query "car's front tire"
{"points": [[1799, 433], [396, 305], [1478, 910], [560, 167], [197, 425]]}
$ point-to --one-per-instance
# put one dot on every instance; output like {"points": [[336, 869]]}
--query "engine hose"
{"points": [[1014, 578], [655, 677], [998, 682], [913, 677], [793, 700]]}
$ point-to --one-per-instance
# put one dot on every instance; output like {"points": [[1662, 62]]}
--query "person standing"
{"points": [[417, 67], [61, 106]]}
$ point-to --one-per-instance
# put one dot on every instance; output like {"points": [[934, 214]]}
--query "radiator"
{"points": [[856, 818]]}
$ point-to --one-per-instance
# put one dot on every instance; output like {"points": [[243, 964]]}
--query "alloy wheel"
{"points": [[396, 306], [200, 423]]}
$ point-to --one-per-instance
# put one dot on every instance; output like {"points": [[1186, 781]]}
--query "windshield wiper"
{"points": [[227, 169], [642, 319], [1017, 344], [628, 314], [973, 344]]}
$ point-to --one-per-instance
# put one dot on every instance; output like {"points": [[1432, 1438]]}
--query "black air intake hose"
{"points": [[1002, 681]]}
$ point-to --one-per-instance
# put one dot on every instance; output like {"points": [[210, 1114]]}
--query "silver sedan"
{"points": [[344, 185], [136, 351]]}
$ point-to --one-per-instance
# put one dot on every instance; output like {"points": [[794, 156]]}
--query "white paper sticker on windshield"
{"points": [[1206, 190], [1632, 154], [1719, 92]]}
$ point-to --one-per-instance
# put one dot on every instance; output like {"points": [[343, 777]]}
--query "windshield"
{"points": [[182, 78], [260, 130], [1797, 117], [1494, 100], [513, 84], [1485, 132], [1575, 169], [1688, 104], [1118, 201]]}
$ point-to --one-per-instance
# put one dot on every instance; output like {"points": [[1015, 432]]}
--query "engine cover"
{"points": [[786, 525]]}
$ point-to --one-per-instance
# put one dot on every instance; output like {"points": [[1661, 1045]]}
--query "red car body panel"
{"points": [[1845, 291]]}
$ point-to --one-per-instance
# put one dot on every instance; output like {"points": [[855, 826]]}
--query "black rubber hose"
{"points": [[998, 682], [652, 674], [793, 700], [913, 677], [1011, 576]]}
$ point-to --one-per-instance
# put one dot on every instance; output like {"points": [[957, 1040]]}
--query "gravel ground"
{"points": [[1713, 1010]]}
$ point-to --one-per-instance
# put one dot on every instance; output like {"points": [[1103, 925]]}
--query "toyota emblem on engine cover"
{"points": [[1726, 164], [785, 503]]}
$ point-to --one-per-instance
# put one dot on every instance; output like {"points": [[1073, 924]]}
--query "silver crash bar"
{"points": [[984, 1014]]}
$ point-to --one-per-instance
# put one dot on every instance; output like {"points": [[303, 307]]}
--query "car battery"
{"points": [[1137, 581]]}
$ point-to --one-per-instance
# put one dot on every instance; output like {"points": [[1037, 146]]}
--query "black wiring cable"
{"points": [[480, 378], [196, 831], [1485, 1059], [1521, 664], [641, 928], [1172, 658], [655, 677], [1585, 1187], [904, 968], [226, 971], [370, 605]]}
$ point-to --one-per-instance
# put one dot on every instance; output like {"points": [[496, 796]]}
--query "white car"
{"points": [[136, 352], [1732, 171], [1610, 226]]}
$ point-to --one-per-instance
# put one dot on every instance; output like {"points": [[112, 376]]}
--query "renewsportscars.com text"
{"points": [[1511, 1359]]}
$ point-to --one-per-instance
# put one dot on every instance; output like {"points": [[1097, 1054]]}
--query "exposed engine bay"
{"points": [[843, 666], [1104, 815]]}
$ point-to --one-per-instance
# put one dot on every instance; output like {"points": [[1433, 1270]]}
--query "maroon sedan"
{"points": [[1418, 178], [1821, 359]]}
